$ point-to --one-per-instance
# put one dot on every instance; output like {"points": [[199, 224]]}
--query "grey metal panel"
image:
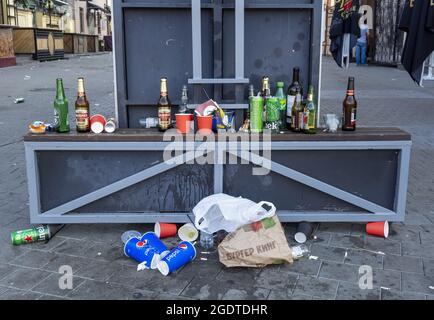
{"points": [[304, 211], [285, 193], [158, 42], [177, 190], [33, 183], [239, 39], [67, 175], [196, 38], [119, 58], [141, 217], [276, 40], [402, 183], [370, 174], [144, 49]]}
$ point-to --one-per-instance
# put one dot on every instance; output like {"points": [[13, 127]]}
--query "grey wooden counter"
{"points": [[122, 177]]}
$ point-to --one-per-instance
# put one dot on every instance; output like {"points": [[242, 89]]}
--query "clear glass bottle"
{"points": [[206, 240], [184, 100], [300, 251]]}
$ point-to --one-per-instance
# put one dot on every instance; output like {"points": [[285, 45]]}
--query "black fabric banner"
{"points": [[430, 17], [345, 20], [418, 21]]}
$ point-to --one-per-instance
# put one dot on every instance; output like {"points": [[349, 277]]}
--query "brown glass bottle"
{"points": [[164, 107], [82, 112], [349, 114]]}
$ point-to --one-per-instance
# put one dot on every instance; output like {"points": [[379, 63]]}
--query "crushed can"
{"points": [[36, 234]]}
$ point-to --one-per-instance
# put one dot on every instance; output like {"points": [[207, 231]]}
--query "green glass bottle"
{"points": [[309, 113], [61, 121], [282, 100]]}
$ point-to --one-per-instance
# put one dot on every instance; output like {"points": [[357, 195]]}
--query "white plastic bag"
{"points": [[224, 212]]}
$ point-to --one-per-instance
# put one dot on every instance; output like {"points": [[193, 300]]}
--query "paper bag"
{"points": [[256, 245]]}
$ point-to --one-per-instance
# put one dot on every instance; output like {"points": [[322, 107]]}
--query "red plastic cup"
{"points": [[97, 123], [380, 229], [165, 230], [204, 124], [183, 122]]}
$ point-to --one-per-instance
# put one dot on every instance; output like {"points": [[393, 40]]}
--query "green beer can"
{"points": [[256, 111], [37, 234], [273, 121]]}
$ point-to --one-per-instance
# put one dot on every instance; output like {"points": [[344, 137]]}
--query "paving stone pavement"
{"points": [[403, 265]]}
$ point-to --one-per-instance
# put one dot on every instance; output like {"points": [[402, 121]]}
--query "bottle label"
{"points": [[289, 103], [305, 123], [311, 120], [82, 119], [353, 117], [282, 102], [164, 118], [300, 121], [56, 118]]}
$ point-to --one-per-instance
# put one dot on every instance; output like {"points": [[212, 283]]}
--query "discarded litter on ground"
{"points": [[41, 233]]}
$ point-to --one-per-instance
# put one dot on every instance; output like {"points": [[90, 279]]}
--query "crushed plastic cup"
{"points": [[188, 232], [128, 235]]}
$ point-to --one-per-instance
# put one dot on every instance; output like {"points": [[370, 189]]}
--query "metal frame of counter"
{"points": [[121, 178]]}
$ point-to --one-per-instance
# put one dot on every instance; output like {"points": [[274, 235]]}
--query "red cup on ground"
{"points": [[183, 122], [97, 123], [165, 230], [204, 124], [380, 229]]}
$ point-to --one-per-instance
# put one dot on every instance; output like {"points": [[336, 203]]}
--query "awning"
{"points": [[60, 3], [91, 5]]}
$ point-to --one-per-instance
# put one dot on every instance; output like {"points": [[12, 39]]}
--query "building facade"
{"points": [[71, 16], [385, 41]]}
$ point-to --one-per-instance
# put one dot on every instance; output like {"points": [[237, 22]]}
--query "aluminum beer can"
{"points": [[150, 238], [142, 252], [273, 120], [37, 234], [177, 258], [256, 111]]}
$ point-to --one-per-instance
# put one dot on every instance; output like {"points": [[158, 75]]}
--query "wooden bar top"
{"points": [[153, 135]]}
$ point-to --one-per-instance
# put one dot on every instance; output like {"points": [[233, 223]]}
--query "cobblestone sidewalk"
{"points": [[403, 264]]}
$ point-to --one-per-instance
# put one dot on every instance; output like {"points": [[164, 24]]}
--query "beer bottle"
{"points": [[61, 121], [184, 100], [82, 113], [297, 112], [265, 94], [291, 94], [282, 101], [251, 94], [164, 107], [349, 114], [309, 113], [251, 91]]}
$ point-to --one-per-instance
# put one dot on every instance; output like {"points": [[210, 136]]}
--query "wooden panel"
{"points": [[49, 44], [58, 44], [142, 135], [6, 43], [24, 41], [388, 39], [90, 44], [68, 43]]}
